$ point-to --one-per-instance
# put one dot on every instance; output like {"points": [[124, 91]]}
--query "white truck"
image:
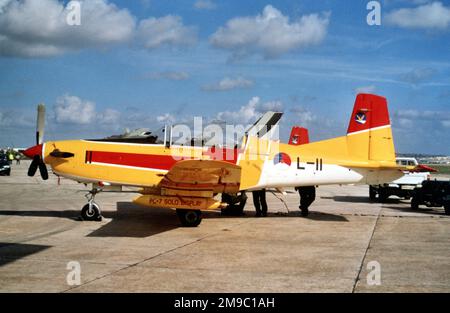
{"points": [[402, 187]]}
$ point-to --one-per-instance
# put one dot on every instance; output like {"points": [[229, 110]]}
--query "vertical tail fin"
{"points": [[299, 136], [369, 134]]}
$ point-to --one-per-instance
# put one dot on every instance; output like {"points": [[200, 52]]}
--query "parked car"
{"points": [[5, 168]]}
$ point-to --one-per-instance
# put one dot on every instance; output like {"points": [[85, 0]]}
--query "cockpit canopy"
{"points": [[216, 133]]}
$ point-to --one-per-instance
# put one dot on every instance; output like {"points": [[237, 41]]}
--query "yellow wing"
{"points": [[201, 178]]}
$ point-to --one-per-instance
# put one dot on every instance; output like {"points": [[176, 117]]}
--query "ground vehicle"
{"points": [[402, 187], [5, 168], [433, 193]]}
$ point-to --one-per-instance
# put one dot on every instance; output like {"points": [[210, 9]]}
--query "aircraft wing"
{"points": [[201, 178]]}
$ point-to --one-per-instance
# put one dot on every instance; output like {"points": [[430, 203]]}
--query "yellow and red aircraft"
{"points": [[189, 178]]}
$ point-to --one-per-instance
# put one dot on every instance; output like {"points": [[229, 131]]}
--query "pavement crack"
{"points": [[219, 231], [365, 252]]}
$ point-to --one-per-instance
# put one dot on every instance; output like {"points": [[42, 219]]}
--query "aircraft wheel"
{"points": [[91, 212], [189, 218]]}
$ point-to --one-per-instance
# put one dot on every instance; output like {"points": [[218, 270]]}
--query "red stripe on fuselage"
{"points": [[223, 154], [155, 161], [160, 162]]}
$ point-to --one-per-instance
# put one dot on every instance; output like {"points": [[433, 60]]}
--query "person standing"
{"points": [[10, 157], [259, 201], [307, 196], [17, 157]]}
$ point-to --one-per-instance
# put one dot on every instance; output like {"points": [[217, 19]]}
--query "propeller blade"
{"points": [[43, 170], [40, 123], [33, 166]]}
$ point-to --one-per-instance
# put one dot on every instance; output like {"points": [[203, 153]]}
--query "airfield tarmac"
{"points": [[136, 249]]}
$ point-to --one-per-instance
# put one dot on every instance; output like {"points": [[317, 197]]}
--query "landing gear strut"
{"points": [[91, 210], [189, 218]]}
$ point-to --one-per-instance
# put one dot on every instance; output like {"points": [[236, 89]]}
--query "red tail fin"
{"points": [[370, 111], [299, 136]]}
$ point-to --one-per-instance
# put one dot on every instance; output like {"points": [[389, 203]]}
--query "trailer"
{"points": [[432, 193], [404, 186]]}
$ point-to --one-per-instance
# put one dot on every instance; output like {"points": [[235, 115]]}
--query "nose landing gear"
{"points": [[91, 210]]}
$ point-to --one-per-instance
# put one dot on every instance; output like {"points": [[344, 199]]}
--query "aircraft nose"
{"points": [[35, 150]]}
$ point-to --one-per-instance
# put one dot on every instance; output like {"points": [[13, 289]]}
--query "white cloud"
{"points": [[229, 84], [165, 31], [109, 116], [12, 118], [71, 109], [412, 117], [249, 112], [166, 118], [74, 110], [365, 89], [303, 117], [270, 33], [276, 106], [405, 123], [428, 16], [170, 75], [32, 28], [205, 5]]}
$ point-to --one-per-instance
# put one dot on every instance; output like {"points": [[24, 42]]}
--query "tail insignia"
{"points": [[360, 118]]}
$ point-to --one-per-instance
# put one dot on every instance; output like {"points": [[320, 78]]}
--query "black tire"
{"points": [[236, 204], [189, 218], [414, 203], [382, 195], [91, 214], [372, 193], [8, 173], [447, 209]]}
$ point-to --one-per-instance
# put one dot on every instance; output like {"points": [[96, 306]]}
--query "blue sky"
{"points": [[143, 63]]}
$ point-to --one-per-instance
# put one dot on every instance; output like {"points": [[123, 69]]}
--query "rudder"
{"points": [[369, 134], [299, 136]]}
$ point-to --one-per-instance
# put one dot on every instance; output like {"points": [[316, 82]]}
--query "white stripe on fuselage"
{"points": [[130, 167], [282, 175]]}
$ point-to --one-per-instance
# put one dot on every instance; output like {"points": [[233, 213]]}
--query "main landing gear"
{"points": [[189, 218], [236, 204], [91, 210]]}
